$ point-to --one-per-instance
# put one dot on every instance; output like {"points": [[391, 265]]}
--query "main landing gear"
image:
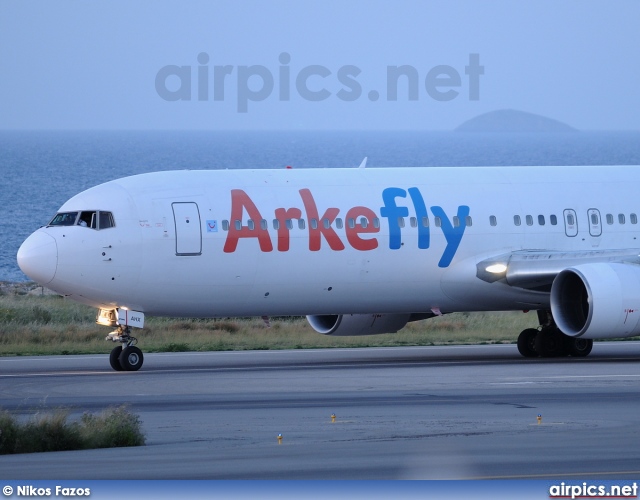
{"points": [[549, 342], [125, 357]]}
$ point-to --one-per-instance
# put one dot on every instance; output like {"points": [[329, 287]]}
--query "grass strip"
{"points": [[49, 325], [114, 427], [52, 325]]}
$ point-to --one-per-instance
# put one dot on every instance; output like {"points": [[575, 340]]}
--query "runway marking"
{"points": [[308, 351], [591, 376], [18, 375], [273, 352], [319, 365], [72, 357], [313, 365], [561, 475], [225, 369], [261, 352], [529, 381], [371, 355], [538, 380]]}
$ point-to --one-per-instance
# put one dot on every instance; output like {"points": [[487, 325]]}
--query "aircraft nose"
{"points": [[38, 257]]}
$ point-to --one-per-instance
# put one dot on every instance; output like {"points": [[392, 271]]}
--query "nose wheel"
{"points": [[125, 357], [114, 358]]}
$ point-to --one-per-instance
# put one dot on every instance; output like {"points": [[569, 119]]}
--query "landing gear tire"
{"points": [[114, 358], [526, 343], [131, 358], [579, 348], [550, 343], [125, 357]]}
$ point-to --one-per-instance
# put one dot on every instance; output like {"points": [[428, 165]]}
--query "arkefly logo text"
{"points": [[360, 225]]}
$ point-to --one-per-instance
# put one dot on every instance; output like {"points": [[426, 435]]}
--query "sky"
{"points": [[316, 65]]}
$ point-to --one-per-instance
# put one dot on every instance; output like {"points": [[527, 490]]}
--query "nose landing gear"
{"points": [[125, 357]]}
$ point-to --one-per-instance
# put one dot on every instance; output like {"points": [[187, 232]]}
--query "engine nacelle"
{"points": [[597, 301], [357, 324]]}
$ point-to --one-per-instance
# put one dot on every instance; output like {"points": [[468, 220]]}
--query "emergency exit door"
{"points": [[188, 232]]}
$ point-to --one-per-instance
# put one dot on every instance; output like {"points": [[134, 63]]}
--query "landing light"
{"points": [[496, 268], [106, 317]]}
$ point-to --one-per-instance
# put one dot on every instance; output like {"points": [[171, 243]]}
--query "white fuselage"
{"points": [[301, 247]]}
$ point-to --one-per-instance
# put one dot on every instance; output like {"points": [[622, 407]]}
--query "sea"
{"points": [[40, 170]]}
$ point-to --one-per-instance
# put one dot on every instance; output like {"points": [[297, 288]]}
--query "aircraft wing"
{"points": [[536, 269]]}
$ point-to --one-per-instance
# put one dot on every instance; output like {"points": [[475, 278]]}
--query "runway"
{"points": [[401, 413]]}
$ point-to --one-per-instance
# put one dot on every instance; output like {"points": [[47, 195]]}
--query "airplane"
{"points": [[358, 251]]}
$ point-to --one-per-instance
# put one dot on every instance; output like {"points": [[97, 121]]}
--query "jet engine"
{"points": [[357, 324], [597, 300]]}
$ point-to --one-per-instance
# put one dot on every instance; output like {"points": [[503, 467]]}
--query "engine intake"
{"points": [[597, 301], [357, 324]]}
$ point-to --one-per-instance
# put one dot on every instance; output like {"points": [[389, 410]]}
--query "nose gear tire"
{"points": [[131, 358]]}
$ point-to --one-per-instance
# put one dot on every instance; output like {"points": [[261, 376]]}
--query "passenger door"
{"points": [[188, 229]]}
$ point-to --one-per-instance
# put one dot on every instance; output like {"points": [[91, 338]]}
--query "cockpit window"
{"points": [[88, 219], [94, 219], [106, 220], [64, 219]]}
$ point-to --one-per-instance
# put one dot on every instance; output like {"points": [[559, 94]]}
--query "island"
{"points": [[510, 120]]}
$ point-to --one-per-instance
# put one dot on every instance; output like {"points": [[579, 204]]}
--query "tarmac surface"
{"points": [[463, 412]]}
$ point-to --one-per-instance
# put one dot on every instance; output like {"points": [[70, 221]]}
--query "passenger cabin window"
{"points": [[437, 221], [456, 221], [621, 218], [541, 220], [468, 221], [225, 225], [339, 223], [553, 219], [493, 221], [609, 219], [633, 218], [529, 219], [516, 220]]}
